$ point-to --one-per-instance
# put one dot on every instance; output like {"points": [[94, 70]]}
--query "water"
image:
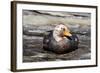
{"points": [[36, 23]]}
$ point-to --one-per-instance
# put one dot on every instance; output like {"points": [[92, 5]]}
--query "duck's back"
{"points": [[47, 39]]}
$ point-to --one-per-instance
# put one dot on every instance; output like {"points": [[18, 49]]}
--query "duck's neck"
{"points": [[56, 36]]}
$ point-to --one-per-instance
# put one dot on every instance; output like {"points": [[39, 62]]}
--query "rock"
{"points": [[85, 56]]}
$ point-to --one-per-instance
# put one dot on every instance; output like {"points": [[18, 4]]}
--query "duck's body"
{"points": [[60, 44]]}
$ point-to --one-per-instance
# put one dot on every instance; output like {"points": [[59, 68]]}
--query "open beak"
{"points": [[67, 33]]}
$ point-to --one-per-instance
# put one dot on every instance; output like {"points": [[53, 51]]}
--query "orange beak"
{"points": [[67, 33]]}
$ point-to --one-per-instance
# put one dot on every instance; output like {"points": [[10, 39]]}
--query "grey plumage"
{"points": [[68, 44]]}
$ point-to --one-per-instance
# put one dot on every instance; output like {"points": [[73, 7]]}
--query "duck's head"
{"points": [[61, 31]]}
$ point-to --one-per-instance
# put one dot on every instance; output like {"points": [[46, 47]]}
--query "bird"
{"points": [[60, 40]]}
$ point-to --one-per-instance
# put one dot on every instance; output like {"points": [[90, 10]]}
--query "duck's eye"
{"points": [[63, 29]]}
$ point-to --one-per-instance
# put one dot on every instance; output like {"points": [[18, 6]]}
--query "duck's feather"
{"points": [[66, 45]]}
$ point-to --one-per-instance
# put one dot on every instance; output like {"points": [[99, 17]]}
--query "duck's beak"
{"points": [[67, 33]]}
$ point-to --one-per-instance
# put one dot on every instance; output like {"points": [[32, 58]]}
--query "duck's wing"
{"points": [[73, 38], [74, 41]]}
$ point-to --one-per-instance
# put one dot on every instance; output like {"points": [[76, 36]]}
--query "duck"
{"points": [[60, 40]]}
